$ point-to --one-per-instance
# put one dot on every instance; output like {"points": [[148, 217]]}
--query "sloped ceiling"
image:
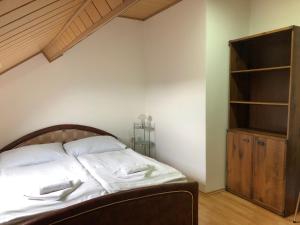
{"points": [[29, 27]]}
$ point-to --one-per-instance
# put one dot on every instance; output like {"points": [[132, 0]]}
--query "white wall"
{"points": [[99, 83], [175, 97], [272, 14], [225, 20]]}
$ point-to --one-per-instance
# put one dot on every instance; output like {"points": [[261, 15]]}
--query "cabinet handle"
{"points": [[262, 143]]}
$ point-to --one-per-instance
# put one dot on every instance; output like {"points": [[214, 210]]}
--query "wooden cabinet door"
{"points": [[269, 173], [239, 163]]}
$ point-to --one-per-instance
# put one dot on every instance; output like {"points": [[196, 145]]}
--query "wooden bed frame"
{"points": [[167, 204]]}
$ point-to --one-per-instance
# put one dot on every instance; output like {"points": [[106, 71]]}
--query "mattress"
{"points": [[15, 206]]}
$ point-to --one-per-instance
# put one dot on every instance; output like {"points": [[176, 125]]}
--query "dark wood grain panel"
{"points": [[269, 86], [269, 173], [239, 161], [238, 116], [268, 118], [293, 156]]}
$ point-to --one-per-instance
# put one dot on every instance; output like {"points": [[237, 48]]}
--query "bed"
{"points": [[167, 204]]}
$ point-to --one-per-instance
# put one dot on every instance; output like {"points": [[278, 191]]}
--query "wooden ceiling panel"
{"points": [[7, 6], [13, 49], [75, 29], [40, 22], [93, 13], [70, 34], [80, 25], [35, 41], [145, 9], [24, 11], [9, 63], [28, 27], [103, 7], [36, 29], [86, 20], [13, 56], [40, 14], [114, 3]]}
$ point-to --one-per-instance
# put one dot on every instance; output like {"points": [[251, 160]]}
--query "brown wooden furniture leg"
{"points": [[297, 208]]}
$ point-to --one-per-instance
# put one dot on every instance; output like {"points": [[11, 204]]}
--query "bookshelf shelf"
{"points": [[261, 69], [260, 103]]}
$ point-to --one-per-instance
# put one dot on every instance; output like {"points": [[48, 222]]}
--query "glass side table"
{"points": [[142, 142]]}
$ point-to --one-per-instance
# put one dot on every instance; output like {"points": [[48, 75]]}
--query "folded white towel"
{"points": [[54, 196], [55, 186], [131, 169]]}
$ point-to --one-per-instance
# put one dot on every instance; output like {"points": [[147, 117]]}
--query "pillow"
{"points": [[96, 144], [31, 155]]}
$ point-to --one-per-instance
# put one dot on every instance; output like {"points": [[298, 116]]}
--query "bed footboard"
{"points": [[168, 204]]}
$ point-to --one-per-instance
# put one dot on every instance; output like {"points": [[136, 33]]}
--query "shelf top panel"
{"points": [[262, 34], [260, 133], [261, 69], [260, 103]]}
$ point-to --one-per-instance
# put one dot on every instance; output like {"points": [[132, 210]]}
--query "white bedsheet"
{"points": [[14, 183], [102, 166]]}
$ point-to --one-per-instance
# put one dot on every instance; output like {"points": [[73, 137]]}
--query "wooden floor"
{"points": [[223, 208]]}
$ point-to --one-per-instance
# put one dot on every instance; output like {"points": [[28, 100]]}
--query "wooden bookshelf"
{"points": [[264, 119]]}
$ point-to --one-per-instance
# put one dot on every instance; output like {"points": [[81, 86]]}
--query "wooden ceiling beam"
{"points": [[146, 9], [104, 20], [66, 26]]}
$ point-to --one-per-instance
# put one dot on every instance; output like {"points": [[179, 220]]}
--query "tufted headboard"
{"points": [[59, 133]]}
